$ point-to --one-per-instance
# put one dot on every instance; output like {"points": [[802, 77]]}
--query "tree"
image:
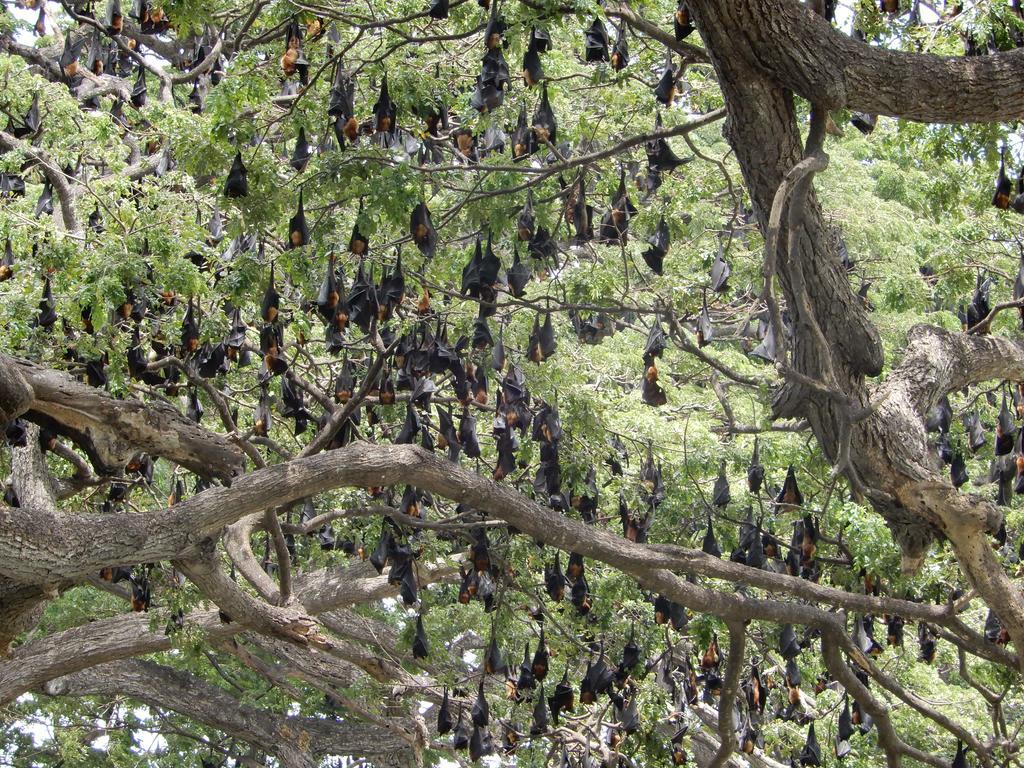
{"points": [[286, 264]]}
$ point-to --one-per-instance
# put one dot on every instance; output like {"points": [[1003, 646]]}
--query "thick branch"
{"points": [[111, 431], [800, 51]]}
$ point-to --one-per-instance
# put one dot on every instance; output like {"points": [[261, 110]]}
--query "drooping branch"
{"points": [[296, 741], [61, 653]]}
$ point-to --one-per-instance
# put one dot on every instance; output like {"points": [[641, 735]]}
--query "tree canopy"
{"points": [[534, 382]]}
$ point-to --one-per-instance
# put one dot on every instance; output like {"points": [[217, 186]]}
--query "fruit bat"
{"points": [[467, 435], [444, 715], [490, 85], [1001, 197], [308, 512], [523, 145], [525, 679], [992, 627], [141, 594], [533, 70], [384, 110], [755, 471], [341, 105], [864, 122], [29, 124], [262, 418], [480, 712], [811, 753], [665, 90], [69, 56], [788, 645], [518, 275], [596, 43], [756, 557], [495, 28], [627, 713], [755, 692], [614, 224], [196, 99], [7, 263], [460, 738], [471, 282], [438, 9], [545, 129], [271, 344], [270, 306], [654, 256], [975, 431], [292, 50], [630, 656], [668, 612], [494, 663], [562, 699], [11, 185], [710, 544], [960, 758], [597, 680], [40, 26], [720, 272], [194, 408], [542, 245], [325, 537], [301, 153], [139, 90], [579, 595], [554, 580], [542, 339], [385, 545], [1018, 201], [1006, 430], [790, 494], [681, 23], [805, 538], [721, 495], [894, 631], [864, 635], [579, 215], [422, 230], [539, 725], [476, 744], [44, 205], [490, 268], [237, 182], [298, 231], [493, 141], [420, 647], [526, 222], [660, 156], [620, 51], [844, 731], [705, 330], [540, 659], [511, 741], [329, 295], [751, 738]]}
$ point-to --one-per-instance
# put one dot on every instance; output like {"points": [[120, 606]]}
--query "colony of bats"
{"points": [[439, 386]]}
